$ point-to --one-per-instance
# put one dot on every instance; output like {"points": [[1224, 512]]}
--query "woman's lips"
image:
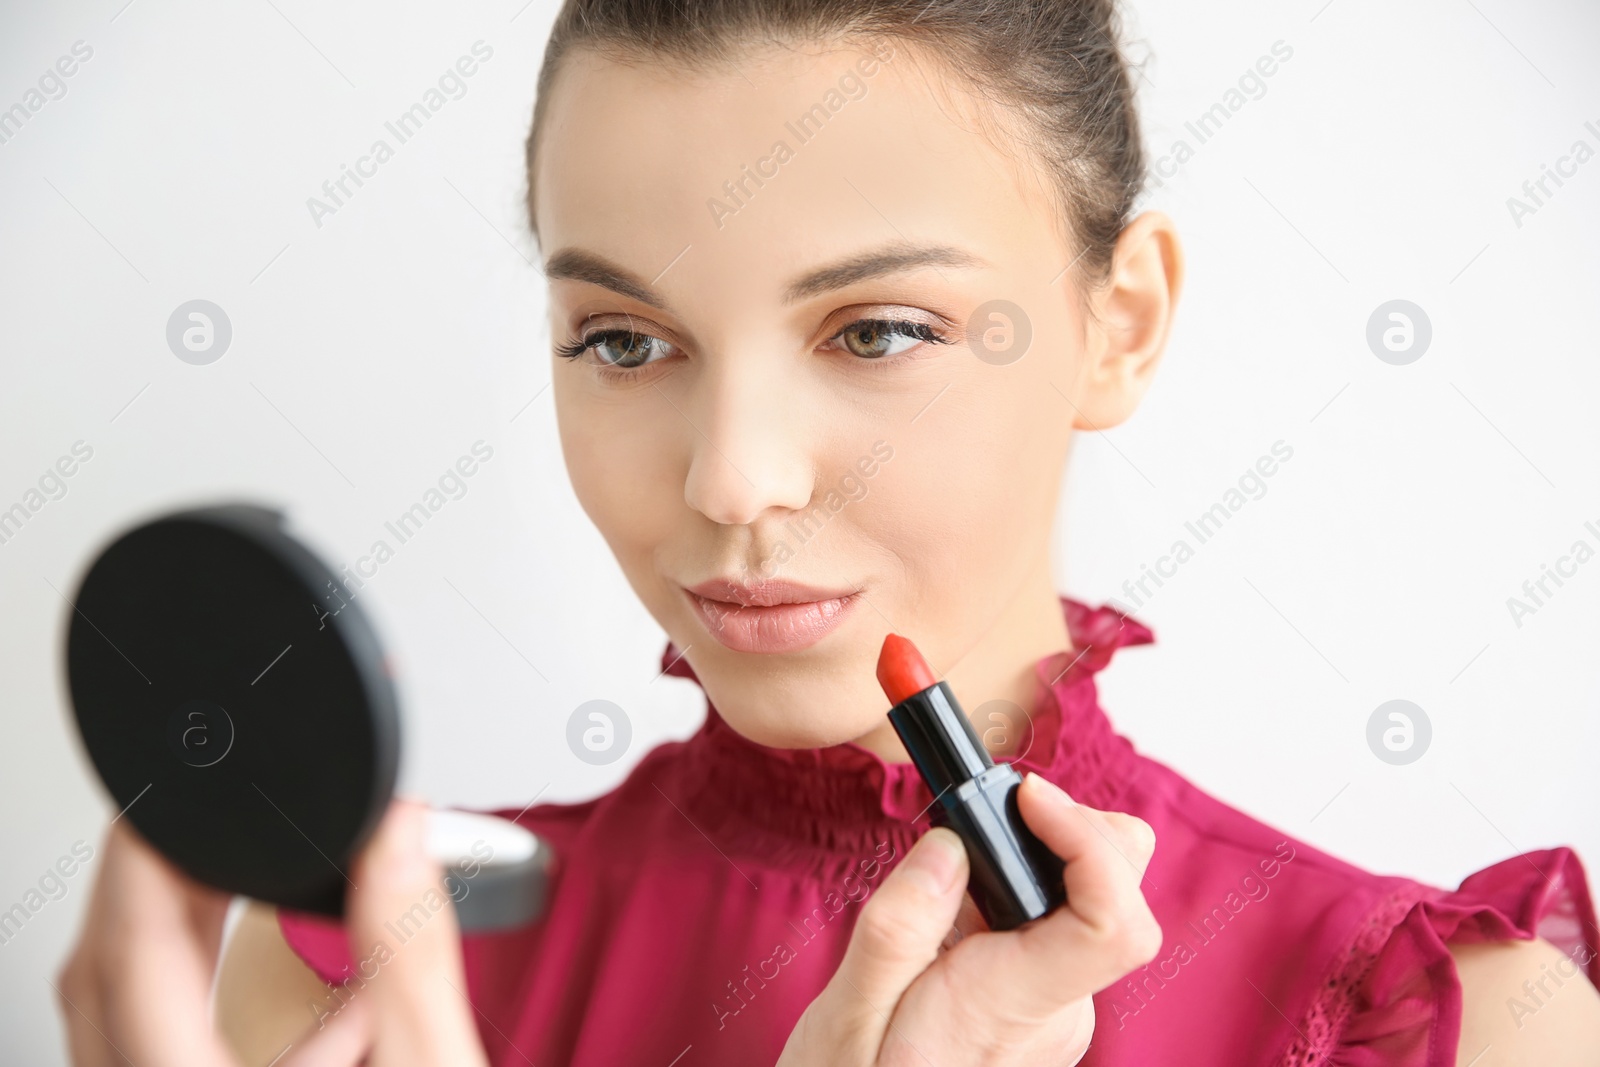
{"points": [[776, 617]]}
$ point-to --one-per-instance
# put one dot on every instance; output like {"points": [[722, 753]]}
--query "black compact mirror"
{"points": [[240, 711]]}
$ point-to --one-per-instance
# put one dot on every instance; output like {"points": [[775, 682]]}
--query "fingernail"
{"points": [[407, 844], [1050, 789], [936, 863], [417, 828]]}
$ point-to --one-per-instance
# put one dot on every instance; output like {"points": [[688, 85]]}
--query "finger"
{"points": [[1088, 837], [78, 983], [153, 898], [140, 979], [78, 1004], [969, 920], [403, 928], [896, 936], [341, 1043], [168, 932], [1107, 926], [98, 972], [1134, 838]]}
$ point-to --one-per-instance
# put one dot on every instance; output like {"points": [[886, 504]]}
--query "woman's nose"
{"points": [[751, 447]]}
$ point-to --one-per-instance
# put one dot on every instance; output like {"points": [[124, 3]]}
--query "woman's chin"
{"points": [[793, 702], [794, 716]]}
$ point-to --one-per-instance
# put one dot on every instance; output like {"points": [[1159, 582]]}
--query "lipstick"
{"points": [[1015, 877]]}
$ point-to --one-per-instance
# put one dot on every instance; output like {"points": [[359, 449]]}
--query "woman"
{"points": [[832, 286]]}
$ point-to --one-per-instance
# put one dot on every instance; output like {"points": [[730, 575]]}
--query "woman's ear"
{"points": [[1132, 318]]}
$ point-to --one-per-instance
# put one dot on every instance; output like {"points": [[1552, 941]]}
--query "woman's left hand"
{"points": [[903, 998]]}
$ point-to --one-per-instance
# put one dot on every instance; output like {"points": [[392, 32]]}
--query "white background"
{"points": [[371, 352]]}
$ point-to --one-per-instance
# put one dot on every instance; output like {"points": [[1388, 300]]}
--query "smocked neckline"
{"points": [[843, 798]]}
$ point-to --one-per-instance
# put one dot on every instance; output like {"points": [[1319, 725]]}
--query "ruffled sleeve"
{"points": [[1392, 998]]}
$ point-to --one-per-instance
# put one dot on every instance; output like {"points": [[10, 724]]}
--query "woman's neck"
{"points": [[997, 674]]}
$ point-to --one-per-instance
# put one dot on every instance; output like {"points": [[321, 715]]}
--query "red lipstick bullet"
{"points": [[901, 669], [1015, 877]]}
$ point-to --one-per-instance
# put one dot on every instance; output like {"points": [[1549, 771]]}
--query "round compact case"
{"points": [[240, 711]]}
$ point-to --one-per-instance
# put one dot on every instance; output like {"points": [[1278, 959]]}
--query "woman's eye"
{"points": [[878, 338], [871, 339], [624, 349]]}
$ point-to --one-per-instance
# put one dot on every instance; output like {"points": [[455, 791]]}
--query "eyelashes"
{"points": [[867, 332], [640, 347], [619, 351]]}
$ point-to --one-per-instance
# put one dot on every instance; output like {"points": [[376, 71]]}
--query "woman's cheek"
{"points": [[912, 518], [620, 474], [960, 508]]}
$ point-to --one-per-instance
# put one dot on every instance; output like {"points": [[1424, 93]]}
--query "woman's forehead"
{"points": [[791, 160]]}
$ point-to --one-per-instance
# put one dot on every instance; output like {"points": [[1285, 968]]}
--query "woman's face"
{"points": [[802, 421]]}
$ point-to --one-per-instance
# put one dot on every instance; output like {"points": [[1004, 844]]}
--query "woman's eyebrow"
{"points": [[892, 258], [595, 269]]}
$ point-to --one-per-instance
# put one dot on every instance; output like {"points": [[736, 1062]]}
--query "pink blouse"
{"points": [[699, 907]]}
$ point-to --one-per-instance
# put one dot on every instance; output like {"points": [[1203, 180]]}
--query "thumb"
{"points": [[899, 931], [343, 1042], [404, 933]]}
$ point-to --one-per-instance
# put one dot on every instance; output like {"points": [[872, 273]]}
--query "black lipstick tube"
{"points": [[1015, 877]]}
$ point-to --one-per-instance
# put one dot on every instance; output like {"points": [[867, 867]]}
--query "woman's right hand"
{"points": [[137, 986], [1014, 997]]}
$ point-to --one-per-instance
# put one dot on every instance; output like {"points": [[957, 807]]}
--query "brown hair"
{"points": [[1058, 63]]}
